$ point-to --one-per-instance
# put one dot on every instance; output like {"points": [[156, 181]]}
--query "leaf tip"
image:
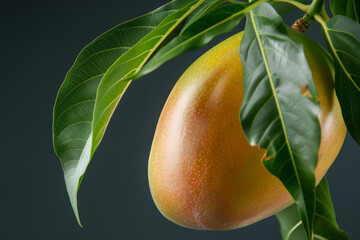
{"points": [[74, 205], [72, 188]]}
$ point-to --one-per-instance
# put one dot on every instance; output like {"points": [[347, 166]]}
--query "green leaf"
{"points": [[342, 35], [349, 8], [284, 7], [85, 101], [206, 7], [275, 115], [325, 226]]}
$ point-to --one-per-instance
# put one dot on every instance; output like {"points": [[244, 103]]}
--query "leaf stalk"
{"points": [[314, 9]]}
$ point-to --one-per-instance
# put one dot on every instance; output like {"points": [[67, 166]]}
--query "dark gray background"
{"points": [[39, 42]]}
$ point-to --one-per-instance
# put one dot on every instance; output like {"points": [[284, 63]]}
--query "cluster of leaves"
{"points": [[105, 68]]}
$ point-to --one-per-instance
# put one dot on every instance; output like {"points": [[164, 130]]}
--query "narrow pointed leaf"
{"points": [[342, 35], [275, 115], [349, 8], [198, 34], [325, 226], [75, 102]]}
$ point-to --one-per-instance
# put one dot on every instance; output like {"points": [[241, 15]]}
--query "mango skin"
{"points": [[203, 174]]}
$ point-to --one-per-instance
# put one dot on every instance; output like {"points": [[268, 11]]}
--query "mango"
{"points": [[203, 174]]}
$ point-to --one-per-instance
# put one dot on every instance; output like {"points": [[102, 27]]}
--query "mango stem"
{"points": [[316, 7]]}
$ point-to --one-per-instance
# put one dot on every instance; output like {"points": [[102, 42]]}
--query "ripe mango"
{"points": [[203, 173]]}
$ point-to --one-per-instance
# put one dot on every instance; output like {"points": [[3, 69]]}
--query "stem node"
{"points": [[301, 24]]}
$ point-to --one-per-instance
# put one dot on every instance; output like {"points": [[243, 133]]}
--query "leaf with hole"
{"points": [[275, 115]]}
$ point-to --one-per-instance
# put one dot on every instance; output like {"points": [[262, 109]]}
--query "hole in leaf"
{"points": [[305, 91], [267, 158]]}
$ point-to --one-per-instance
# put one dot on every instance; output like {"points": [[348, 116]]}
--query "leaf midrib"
{"points": [[292, 230], [271, 81]]}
